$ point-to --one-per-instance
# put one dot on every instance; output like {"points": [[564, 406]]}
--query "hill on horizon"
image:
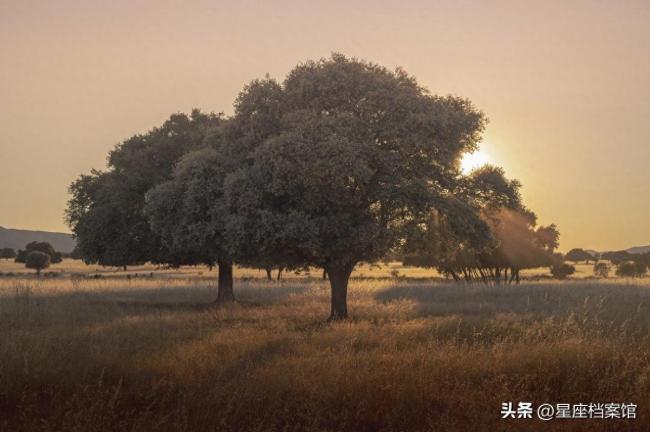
{"points": [[639, 249], [17, 239], [633, 250]]}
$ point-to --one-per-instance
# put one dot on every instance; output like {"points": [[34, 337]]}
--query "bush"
{"points": [[45, 247], [37, 260], [7, 253], [562, 270], [631, 269], [601, 270]]}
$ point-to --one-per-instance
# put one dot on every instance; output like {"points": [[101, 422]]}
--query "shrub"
{"points": [[601, 270], [562, 270], [631, 269], [7, 253], [38, 261]]}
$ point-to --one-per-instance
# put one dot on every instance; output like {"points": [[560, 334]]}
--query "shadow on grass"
{"points": [[608, 301], [24, 305]]}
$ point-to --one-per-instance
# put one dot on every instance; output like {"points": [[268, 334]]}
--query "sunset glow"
{"points": [[471, 161], [81, 78]]}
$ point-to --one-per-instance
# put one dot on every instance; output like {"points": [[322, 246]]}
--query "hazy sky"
{"points": [[566, 86]]}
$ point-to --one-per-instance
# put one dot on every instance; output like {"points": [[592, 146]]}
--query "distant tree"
{"points": [[602, 270], [360, 154], [641, 259], [45, 247], [631, 269], [7, 253], [616, 257], [561, 270], [576, 255], [105, 211], [37, 260], [515, 242]]}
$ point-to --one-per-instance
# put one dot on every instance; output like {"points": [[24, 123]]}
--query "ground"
{"points": [[152, 352]]}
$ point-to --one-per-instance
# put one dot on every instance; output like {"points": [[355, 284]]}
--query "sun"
{"points": [[471, 161]]}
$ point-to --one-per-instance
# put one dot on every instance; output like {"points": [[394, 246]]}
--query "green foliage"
{"points": [[7, 253], [601, 270], [107, 229], [105, 211], [187, 211], [45, 247], [359, 154], [631, 269], [37, 260], [562, 270], [348, 158]]}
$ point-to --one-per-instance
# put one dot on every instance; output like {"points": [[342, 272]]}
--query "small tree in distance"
{"points": [[577, 255], [601, 270], [7, 253], [38, 261], [45, 247], [631, 269]]}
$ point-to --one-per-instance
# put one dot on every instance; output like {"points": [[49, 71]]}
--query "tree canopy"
{"points": [[577, 255], [45, 247], [7, 253], [105, 211], [631, 269], [37, 260], [503, 238], [360, 153], [187, 213]]}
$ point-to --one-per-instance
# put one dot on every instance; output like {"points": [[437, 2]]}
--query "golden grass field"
{"points": [[418, 354]]}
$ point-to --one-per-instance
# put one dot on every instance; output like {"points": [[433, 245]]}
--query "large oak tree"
{"points": [[360, 154]]}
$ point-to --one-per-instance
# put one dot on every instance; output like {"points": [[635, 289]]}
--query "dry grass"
{"points": [[146, 354]]}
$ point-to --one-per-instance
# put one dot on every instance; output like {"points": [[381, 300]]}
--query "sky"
{"points": [[565, 84]]}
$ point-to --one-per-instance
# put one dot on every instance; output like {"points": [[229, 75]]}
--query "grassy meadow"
{"points": [[80, 352]]}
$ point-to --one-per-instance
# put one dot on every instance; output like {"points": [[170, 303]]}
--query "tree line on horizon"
{"points": [[627, 264], [341, 163]]}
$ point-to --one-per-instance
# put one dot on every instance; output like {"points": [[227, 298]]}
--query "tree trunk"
{"points": [[280, 273], [268, 273], [224, 287], [124, 267], [324, 274], [339, 275], [517, 273]]}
